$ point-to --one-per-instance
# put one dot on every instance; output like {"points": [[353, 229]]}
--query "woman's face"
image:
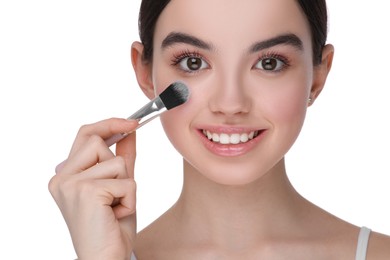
{"points": [[248, 65]]}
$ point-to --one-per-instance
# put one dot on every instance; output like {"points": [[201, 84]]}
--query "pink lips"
{"points": [[230, 150]]}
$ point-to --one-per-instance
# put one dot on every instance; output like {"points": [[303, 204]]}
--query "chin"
{"points": [[232, 174]]}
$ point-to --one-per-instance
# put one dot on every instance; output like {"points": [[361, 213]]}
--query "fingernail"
{"points": [[59, 167]]}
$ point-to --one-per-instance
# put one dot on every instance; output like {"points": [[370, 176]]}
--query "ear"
{"points": [[321, 72], [142, 69]]}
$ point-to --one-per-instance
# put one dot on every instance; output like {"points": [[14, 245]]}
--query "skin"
{"points": [[231, 93], [100, 187], [237, 201]]}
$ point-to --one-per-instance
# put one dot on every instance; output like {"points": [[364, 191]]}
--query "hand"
{"points": [[96, 192]]}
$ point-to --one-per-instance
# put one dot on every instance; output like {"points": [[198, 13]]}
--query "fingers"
{"points": [[95, 189], [105, 186], [123, 190], [114, 168], [126, 148], [126, 192], [105, 129], [91, 159], [89, 147], [92, 152], [66, 183]]}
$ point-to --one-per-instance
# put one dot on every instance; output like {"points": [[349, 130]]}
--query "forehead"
{"points": [[235, 22]]}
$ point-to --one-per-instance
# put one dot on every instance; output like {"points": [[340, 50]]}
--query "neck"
{"points": [[234, 215]]}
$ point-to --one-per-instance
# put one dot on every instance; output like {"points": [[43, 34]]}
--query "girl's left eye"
{"points": [[190, 62], [271, 64]]}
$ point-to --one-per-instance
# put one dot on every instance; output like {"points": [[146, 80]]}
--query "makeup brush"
{"points": [[174, 95]]}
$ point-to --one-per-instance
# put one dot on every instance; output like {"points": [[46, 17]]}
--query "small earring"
{"points": [[310, 100]]}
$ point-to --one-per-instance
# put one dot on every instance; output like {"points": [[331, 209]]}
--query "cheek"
{"points": [[175, 122], [176, 125], [291, 106], [169, 129], [287, 104], [176, 128]]}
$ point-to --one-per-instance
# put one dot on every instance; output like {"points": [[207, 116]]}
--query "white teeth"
{"points": [[244, 138], [224, 139], [236, 138], [215, 137]]}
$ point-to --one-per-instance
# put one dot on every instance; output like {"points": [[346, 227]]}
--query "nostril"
{"points": [[230, 103]]}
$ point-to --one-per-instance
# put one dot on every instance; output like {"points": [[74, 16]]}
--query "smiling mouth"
{"points": [[235, 138]]}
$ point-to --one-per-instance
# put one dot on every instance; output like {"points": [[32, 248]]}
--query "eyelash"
{"points": [[177, 58], [274, 55], [178, 61]]}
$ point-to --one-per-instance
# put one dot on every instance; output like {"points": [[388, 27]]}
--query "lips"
{"points": [[230, 141], [230, 138]]}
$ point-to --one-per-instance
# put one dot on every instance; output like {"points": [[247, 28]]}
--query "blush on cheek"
{"points": [[172, 123], [289, 108], [167, 121]]}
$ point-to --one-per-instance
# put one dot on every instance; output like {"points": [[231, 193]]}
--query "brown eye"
{"points": [[271, 64], [192, 64]]}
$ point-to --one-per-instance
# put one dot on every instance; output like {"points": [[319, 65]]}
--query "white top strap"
{"points": [[361, 250], [133, 257]]}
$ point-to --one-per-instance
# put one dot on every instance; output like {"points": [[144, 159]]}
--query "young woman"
{"points": [[253, 67]]}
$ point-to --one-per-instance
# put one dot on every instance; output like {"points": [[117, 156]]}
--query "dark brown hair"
{"points": [[315, 11]]}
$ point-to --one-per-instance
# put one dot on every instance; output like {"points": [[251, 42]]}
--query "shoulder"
{"points": [[155, 241], [378, 247]]}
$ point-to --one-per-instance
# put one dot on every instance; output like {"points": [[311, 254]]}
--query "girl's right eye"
{"points": [[190, 62]]}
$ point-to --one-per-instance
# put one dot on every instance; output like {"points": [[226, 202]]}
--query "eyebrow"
{"points": [[176, 37], [284, 39]]}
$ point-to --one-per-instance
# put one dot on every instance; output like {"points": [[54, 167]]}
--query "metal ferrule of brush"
{"points": [[173, 96], [145, 114], [148, 112]]}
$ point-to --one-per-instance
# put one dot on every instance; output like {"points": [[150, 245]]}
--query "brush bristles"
{"points": [[174, 95]]}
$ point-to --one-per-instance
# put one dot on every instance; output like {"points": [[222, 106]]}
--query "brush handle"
{"points": [[115, 138], [144, 115]]}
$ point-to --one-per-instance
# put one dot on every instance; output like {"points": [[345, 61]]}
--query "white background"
{"points": [[66, 63]]}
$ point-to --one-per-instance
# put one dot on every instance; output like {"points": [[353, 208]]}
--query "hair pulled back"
{"points": [[315, 11]]}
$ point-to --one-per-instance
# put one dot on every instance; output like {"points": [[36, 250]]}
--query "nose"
{"points": [[229, 97]]}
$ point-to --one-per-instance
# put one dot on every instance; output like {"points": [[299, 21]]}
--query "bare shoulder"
{"points": [[378, 247]]}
